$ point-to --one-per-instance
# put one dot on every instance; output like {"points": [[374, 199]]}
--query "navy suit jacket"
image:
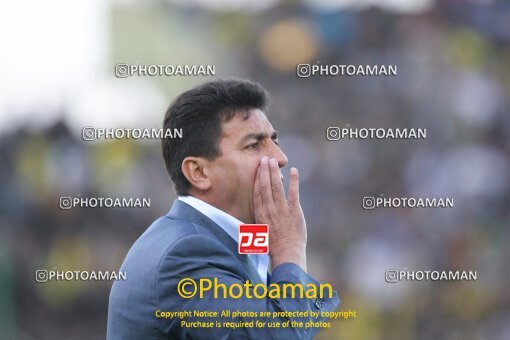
{"points": [[187, 244]]}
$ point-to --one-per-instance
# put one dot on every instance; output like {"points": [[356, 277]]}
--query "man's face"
{"points": [[243, 144]]}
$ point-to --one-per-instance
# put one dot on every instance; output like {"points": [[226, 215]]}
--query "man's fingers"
{"points": [[294, 187], [276, 182], [265, 182]]}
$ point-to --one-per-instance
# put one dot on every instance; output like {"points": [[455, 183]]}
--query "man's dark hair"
{"points": [[200, 113]]}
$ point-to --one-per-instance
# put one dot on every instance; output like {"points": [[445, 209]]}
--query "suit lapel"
{"points": [[184, 212]]}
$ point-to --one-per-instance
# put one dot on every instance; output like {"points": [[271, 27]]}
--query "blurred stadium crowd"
{"points": [[453, 61]]}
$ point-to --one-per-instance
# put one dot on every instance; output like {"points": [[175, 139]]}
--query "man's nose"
{"points": [[279, 155]]}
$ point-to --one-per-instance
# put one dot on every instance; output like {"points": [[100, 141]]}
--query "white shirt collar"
{"points": [[230, 225]]}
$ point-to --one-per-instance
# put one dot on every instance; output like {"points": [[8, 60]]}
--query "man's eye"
{"points": [[253, 146], [276, 142]]}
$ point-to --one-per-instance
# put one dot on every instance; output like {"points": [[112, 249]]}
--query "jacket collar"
{"points": [[184, 212]]}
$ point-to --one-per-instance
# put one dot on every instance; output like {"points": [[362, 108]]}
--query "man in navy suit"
{"points": [[226, 171]]}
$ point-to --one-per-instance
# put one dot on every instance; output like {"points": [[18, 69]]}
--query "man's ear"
{"points": [[193, 169]]}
